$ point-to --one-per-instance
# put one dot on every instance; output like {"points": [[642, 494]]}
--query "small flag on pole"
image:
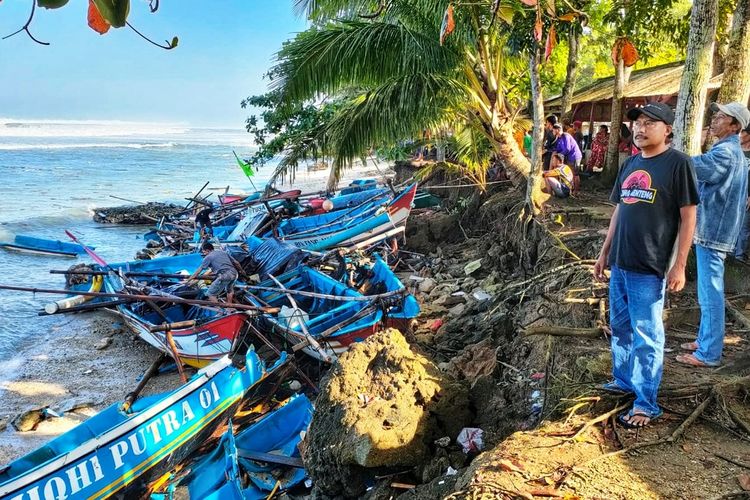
{"points": [[246, 167]]}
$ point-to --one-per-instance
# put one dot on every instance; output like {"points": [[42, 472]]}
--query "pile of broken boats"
{"points": [[316, 280]]}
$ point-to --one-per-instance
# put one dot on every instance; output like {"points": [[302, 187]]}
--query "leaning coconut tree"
{"points": [[410, 66], [691, 101]]}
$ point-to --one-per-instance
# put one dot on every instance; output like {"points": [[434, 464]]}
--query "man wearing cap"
{"points": [[722, 182], [656, 195]]}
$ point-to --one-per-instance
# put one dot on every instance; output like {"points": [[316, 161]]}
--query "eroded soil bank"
{"points": [[511, 312]]}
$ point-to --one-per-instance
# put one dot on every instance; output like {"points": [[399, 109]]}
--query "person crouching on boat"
{"points": [[203, 223], [224, 268]]}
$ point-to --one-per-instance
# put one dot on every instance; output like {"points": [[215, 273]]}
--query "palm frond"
{"points": [[325, 61], [398, 110]]}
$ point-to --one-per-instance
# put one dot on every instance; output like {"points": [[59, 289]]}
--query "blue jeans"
{"points": [[711, 299], [742, 250], [635, 316]]}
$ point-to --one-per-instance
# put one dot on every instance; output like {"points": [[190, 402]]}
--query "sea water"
{"points": [[55, 173]]}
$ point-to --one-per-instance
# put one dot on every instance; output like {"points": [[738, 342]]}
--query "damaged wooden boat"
{"points": [[121, 449]]}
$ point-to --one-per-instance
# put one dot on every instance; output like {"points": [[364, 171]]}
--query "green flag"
{"points": [[246, 167]]}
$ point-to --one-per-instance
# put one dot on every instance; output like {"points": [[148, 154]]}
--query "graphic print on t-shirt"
{"points": [[637, 187]]}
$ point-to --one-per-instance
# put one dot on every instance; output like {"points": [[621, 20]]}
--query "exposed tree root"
{"points": [[600, 418], [670, 439], [560, 331], [731, 460], [737, 315]]}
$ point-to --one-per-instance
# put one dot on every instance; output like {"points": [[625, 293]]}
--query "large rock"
{"points": [[382, 405]]}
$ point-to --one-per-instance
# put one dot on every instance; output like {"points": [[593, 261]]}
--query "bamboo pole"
{"points": [[132, 396], [156, 298]]}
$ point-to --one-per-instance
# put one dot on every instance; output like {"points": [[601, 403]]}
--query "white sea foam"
{"points": [[84, 145], [22, 132], [10, 127]]}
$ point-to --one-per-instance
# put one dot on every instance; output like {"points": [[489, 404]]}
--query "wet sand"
{"points": [[65, 369]]}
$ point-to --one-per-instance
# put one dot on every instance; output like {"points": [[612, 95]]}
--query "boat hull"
{"points": [[394, 216], [122, 458], [196, 346]]}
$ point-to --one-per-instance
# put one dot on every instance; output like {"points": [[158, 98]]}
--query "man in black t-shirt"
{"points": [[656, 195]]}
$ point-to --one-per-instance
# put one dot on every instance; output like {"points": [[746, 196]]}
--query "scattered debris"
{"points": [[103, 343], [470, 439]]}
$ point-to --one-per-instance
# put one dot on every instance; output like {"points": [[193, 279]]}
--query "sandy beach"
{"points": [[67, 373]]}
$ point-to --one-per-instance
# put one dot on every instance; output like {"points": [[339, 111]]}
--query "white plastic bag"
{"points": [[470, 439]]}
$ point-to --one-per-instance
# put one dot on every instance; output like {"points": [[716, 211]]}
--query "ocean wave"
{"points": [[87, 145], [10, 127]]}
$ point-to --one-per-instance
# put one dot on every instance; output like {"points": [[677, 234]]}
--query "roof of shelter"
{"points": [[658, 80]]}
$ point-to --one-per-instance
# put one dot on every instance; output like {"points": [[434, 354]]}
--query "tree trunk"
{"points": [[691, 101], [333, 178], [534, 195], [507, 151], [574, 36], [721, 47], [735, 85], [612, 163]]}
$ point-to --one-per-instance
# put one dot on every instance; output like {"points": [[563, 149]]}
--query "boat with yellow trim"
{"points": [[118, 452]]}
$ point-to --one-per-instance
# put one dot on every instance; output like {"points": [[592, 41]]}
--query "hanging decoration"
{"points": [[538, 26], [448, 25], [551, 43], [95, 19], [624, 50]]}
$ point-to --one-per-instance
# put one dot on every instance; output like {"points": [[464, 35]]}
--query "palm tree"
{"points": [[400, 81]]}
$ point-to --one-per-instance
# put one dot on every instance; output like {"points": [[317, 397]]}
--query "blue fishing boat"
{"points": [[41, 246], [315, 306], [400, 308], [257, 217], [266, 453], [358, 185], [377, 218], [119, 452]]}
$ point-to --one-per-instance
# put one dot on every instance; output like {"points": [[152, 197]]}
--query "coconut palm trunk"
{"points": [[534, 195], [571, 72], [691, 101], [612, 164], [735, 85]]}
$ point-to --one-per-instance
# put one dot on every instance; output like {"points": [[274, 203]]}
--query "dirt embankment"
{"points": [[511, 311]]}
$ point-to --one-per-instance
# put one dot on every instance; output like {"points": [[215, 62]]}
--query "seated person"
{"points": [[558, 180]]}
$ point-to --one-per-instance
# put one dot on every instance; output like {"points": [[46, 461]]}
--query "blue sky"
{"points": [[225, 48]]}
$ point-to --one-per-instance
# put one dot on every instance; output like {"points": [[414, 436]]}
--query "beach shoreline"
{"points": [[63, 367]]}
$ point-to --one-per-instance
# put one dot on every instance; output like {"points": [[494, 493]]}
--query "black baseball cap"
{"points": [[656, 110]]}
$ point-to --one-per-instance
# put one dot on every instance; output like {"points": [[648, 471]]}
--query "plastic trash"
{"points": [[471, 439]]}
